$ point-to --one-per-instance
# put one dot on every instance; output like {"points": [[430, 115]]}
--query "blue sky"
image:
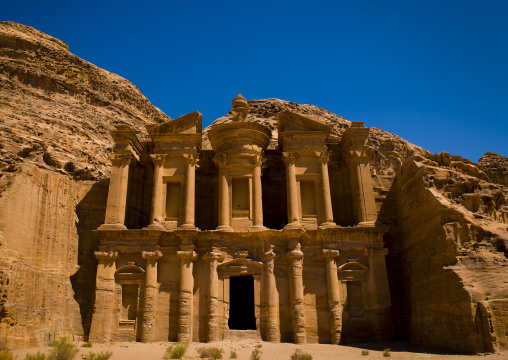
{"points": [[432, 72]]}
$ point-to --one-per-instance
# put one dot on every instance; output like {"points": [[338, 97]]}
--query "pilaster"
{"points": [[117, 193], [334, 303], [213, 257], [272, 297], [295, 258], [102, 321], [150, 300], [379, 294], [187, 255]]}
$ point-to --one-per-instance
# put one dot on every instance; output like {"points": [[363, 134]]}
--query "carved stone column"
{"points": [[187, 255], [117, 193], [214, 257], [361, 182], [272, 297], [257, 218], [102, 322], [334, 303], [224, 212], [156, 214], [326, 199], [150, 300], [292, 194], [190, 190], [296, 289]]}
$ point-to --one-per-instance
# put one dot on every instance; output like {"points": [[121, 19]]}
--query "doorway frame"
{"points": [[240, 266]]}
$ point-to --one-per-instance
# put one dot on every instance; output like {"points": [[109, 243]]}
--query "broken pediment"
{"points": [[185, 124], [302, 131], [181, 134], [126, 141], [293, 122]]}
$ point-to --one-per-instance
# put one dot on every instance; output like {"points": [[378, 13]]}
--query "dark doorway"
{"points": [[241, 303]]}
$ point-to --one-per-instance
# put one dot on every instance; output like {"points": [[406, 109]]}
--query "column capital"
{"points": [[270, 255], [296, 253], [151, 255], [215, 254], [121, 159], [323, 157], [190, 159], [187, 253], [106, 255], [259, 160], [289, 158], [329, 253], [158, 159], [220, 159], [357, 153]]}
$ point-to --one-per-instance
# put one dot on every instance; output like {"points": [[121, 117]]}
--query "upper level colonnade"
{"points": [[154, 181]]}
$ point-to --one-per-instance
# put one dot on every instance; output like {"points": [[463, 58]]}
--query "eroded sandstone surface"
{"points": [[447, 216], [56, 111]]}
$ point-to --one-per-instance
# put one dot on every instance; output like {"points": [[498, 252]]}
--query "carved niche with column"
{"points": [[239, 146], [302, 138], [176, 146]]}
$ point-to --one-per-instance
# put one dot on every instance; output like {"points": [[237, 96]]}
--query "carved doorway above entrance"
{"points": [[241, 310]]}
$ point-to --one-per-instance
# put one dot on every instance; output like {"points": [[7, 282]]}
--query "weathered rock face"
{"points": [[57, 109], [56, 114], [448, 255], [496, 167]]}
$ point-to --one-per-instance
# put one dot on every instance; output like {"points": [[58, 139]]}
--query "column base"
{"points": [[255, 228], [367, 224], [112, 227], [328, 224], [187, 227], [155, 226], [225, 228], [293, 225]]}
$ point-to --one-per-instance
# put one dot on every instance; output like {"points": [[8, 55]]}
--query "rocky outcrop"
{"points": [[448, 260], [57, 111], [496, 167]]}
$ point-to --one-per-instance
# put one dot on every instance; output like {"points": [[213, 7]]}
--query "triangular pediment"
{"points": [[295, 122], [185, 124]]}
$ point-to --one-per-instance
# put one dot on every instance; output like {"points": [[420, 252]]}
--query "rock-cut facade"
{"points": [[241, 240]]}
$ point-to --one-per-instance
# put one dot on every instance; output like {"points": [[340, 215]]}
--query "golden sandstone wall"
{"points": [[447, 260], [447, 264]]}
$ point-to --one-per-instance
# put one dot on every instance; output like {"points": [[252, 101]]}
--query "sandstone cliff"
{"points": [[57, 109], [448, 265], [56, 113], [447, 216]]}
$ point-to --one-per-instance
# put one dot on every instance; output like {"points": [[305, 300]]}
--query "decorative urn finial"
{"points": [[240, 108]]}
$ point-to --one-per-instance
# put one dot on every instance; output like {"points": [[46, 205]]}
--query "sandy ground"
{"points": [[244, 348]]}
